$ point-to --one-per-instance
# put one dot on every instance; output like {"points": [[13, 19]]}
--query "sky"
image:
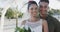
{"points": [[55, 4]]}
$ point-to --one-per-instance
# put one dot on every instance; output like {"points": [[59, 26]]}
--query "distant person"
{"points": [[53, 23], [34, 22]]}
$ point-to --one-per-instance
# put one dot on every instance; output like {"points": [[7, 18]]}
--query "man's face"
{"points": [[43, 7]]}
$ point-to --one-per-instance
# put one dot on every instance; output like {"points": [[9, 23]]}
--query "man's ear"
{"points": [[48, 9]]}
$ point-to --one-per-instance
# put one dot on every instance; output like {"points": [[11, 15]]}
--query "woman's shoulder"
{"points": [[45, 26], [44, 21]]}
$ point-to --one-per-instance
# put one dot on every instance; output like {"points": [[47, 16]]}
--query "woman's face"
{"points": [[33, 10]]}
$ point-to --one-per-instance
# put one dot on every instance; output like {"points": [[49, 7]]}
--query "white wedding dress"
{"points": [[34, 26]]}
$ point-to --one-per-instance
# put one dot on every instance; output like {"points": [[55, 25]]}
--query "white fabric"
{"points": [[35, 27]]}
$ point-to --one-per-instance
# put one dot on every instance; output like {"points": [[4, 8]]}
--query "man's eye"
{"points": [[45, 6]]}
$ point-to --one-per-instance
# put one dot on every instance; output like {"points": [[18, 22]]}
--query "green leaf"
{"points": [[29, 30]]}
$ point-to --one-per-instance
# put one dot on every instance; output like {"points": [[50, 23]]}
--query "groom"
{"points": [[53, 23]]}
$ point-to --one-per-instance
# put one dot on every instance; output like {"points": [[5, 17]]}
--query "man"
{"points": [[53, 23]]}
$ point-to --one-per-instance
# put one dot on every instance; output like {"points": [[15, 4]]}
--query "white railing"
{"points": [[2, 17], [3, 14]]}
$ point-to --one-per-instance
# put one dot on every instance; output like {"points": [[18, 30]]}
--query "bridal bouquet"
{"points": [[18, 29]]}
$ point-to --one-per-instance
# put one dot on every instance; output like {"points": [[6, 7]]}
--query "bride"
{"points": [[34, 22]]}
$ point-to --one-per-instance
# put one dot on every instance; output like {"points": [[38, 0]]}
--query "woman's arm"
{"points": [[45, 26], [23, 22]]}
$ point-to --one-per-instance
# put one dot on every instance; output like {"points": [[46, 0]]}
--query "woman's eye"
{"points": [[31, 8], [40, 6]]}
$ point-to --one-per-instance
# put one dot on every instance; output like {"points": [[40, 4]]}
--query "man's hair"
{"points": [[30, 3], [47, 1]]}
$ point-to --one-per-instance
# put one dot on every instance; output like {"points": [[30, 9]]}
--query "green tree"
{"points": [[0, 11], [9, 13]]}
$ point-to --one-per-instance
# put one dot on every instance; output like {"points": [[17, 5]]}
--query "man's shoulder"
{"points": [[52, 18], [49, 16]]}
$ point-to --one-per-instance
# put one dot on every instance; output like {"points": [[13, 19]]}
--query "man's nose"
{"points": [[43, 9]]}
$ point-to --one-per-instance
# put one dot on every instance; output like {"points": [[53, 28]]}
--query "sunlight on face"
{"points": [[33, 10], [43, 7]]}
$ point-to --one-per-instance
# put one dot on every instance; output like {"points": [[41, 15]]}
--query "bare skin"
{"points": [[45, 26], [43, 7], [33, 10]]}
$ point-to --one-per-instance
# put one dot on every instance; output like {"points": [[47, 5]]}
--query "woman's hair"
{"points": [[30, 3]]}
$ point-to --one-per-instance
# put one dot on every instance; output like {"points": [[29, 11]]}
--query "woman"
{"points": [[34, 22]]}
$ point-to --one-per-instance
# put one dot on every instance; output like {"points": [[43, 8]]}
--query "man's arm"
{"points": [[57, 25]]}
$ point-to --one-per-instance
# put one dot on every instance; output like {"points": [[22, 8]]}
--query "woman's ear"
{"points": [[48, 9]]}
